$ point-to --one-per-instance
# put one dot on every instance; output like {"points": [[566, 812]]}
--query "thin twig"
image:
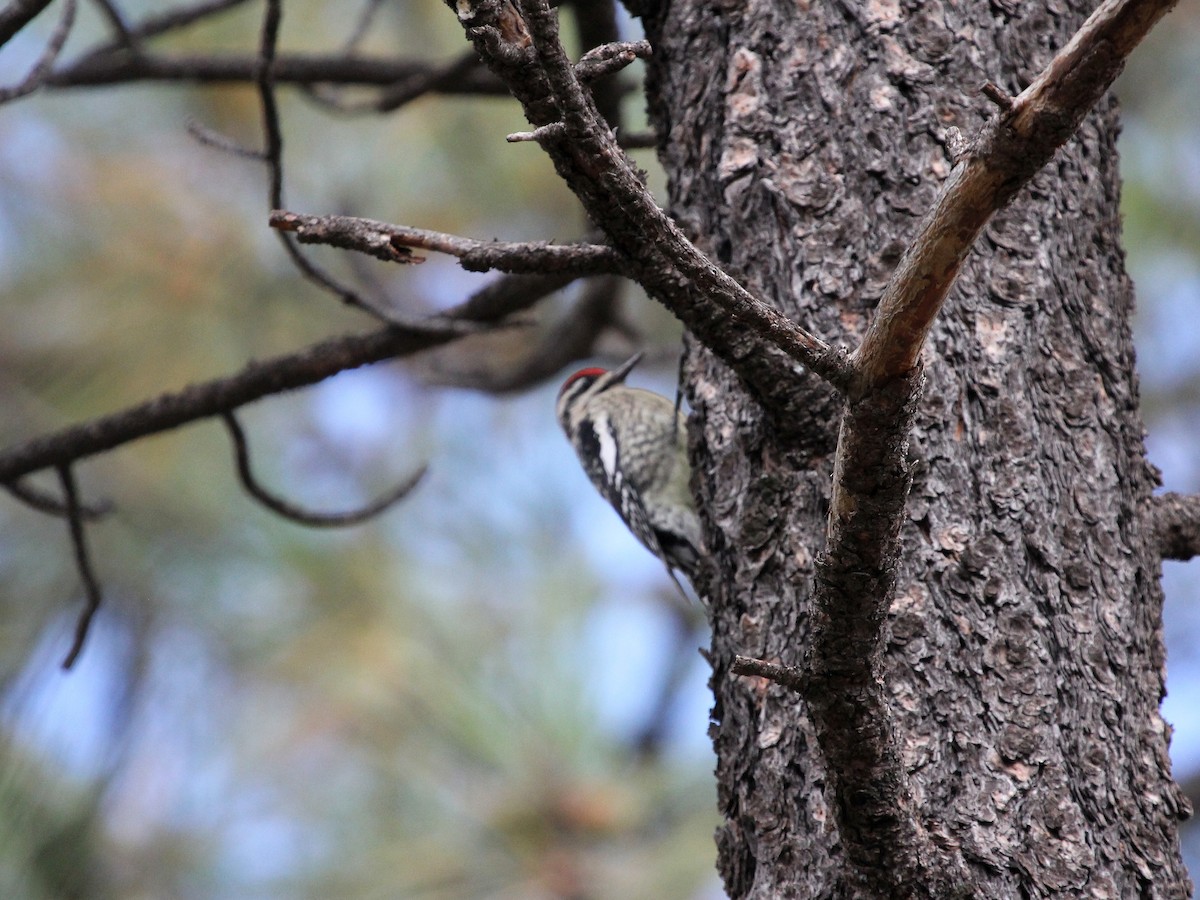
{"points": [[273, 156], [38, 74], [571, 337], [91, 586], [362, 27], [431, 79], [298, 514], [394, 243], [43, 502], [211, 138], [17, 15], [172, 20], [123, 37]]}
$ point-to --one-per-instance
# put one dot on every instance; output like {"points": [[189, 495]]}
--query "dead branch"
{"points": [[295, 513], [274, 376], [608, 59], [272, 155], [434, 79], [43, 502], [758, 342], [790, 677], [1175, 520], [116, 67], [83, 562], [37, 75], [171, 20], [121, 34], [571, 338], [394, 243], [17, 15]]}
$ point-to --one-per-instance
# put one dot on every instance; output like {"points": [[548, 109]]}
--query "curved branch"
{"points": [[83, 562], [43, 502], [298, 514], [570, 338], [857, 573], [1007, 154]]}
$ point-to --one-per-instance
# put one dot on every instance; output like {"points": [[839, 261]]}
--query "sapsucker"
{"points": [[633, 446]]}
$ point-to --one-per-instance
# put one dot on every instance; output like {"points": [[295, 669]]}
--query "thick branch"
{"points": [[757, 341], [856, 576], [1008, 153], [1175, 520], [393, 243]]}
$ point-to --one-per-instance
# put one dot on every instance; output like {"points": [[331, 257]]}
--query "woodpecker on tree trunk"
{"points": [[633, 445]]}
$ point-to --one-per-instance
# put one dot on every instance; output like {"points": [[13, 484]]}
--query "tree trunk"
{"points": [[1024, 654]]}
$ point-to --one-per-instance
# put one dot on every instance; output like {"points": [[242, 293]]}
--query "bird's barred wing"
{"points": [[600, 454]]}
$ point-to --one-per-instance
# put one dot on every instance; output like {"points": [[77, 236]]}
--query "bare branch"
{"points": [[83, 562], [638, 140], [171, 20], [1175, 520], [116, 67], [758, 342], [609, 58], [790, 677], [43, 502], [570, 338], [212, 138], [855, 577], [997, 95], [363, 26], [1009, 152], [393, 243], [297, 514], [123, 38], [272, 154], [274, 376], [38, 74], [432, 79], [17, 15]]}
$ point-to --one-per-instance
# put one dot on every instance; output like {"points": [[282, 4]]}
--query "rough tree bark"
{"points": [[1024, 657], [1006, 742]]}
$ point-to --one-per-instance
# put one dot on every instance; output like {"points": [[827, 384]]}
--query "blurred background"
{"points": [[491, 691]]}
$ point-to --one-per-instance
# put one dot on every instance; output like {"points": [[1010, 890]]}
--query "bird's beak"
{"points": [[617, 375]]}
